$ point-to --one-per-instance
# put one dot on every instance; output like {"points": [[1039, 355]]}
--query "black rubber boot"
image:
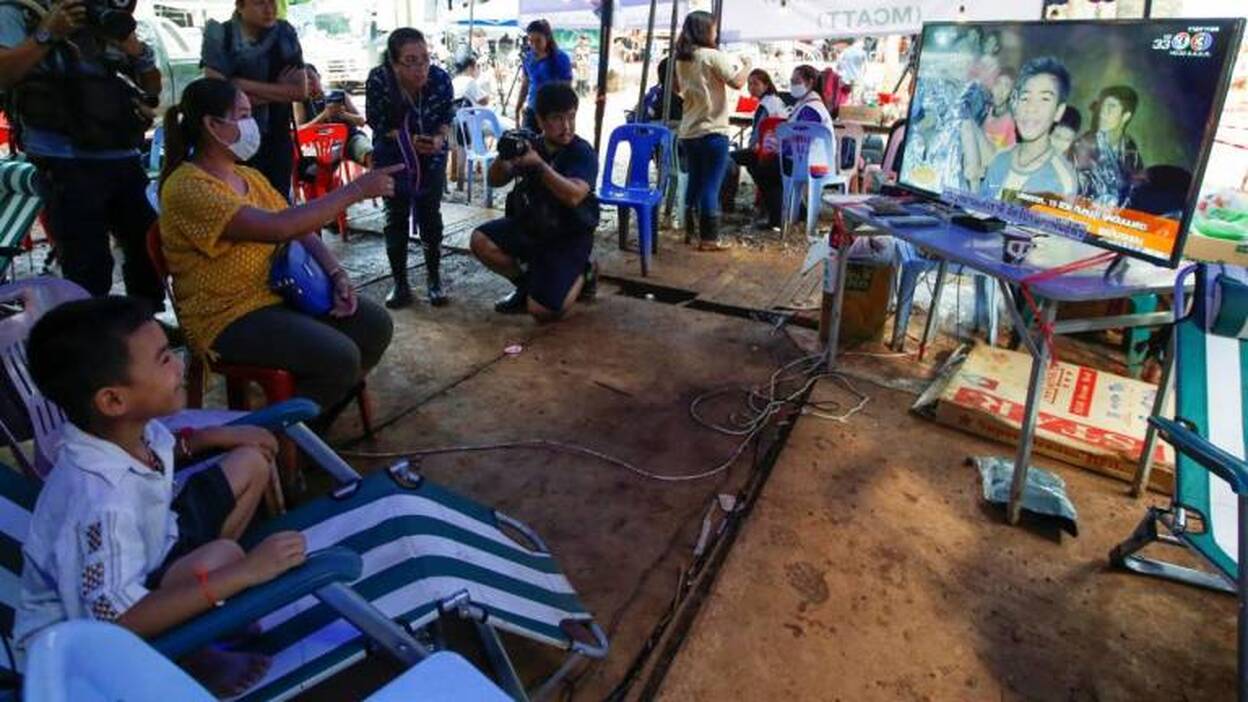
{"points": [[401, 294], [515, 303], [433, 277], [691, 225]]}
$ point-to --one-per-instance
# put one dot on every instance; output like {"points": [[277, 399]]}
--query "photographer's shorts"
{"points": [[553, 265]]}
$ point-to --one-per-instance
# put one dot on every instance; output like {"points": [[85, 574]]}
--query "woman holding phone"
{"points": [[410, 106]]}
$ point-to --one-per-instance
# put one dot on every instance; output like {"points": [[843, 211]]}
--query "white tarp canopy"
{"points": [[762, 20], [628, 14], [487, 13]]}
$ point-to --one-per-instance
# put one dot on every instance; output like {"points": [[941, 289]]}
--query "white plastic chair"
{"points": [[798, 141], [83, 660], [475, 121]]}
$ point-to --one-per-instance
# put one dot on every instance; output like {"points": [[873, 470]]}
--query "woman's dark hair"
{"points": [[184, 122], [398, 39], [541, 26], [695, 33], [769, 88], [82, 347], [810, 74]]}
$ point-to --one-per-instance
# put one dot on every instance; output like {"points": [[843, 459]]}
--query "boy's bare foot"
{"points": [[226, 673]]}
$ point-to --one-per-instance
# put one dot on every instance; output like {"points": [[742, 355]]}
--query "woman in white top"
{"points": [[761, 88], [804, 86], [704, 74]]}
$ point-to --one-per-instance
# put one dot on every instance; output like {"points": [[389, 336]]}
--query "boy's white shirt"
{"points": [[102, 523]]}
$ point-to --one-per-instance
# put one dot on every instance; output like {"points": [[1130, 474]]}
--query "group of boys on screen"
{"points": [[1034, 143]]}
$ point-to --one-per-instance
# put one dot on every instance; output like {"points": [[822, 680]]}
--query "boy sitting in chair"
{"points": [[108, 538]]}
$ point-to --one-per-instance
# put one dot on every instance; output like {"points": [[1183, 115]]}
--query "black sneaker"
{"points": [[589, 288], [515, 303]]}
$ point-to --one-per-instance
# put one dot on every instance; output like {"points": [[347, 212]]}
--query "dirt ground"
{"points": [[869, 568], [618, 378], [872, 569]]}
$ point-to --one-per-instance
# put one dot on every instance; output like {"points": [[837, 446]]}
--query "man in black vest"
{"points": [[80, 89], [261, 55]]}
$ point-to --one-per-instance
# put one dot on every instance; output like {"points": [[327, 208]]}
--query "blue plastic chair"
{"points": [[475, 121], [90, 661], [798, 141], [912, 266], [646, 142]]}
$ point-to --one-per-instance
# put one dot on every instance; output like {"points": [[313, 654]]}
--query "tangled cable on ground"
{"points": [[763, 403]]}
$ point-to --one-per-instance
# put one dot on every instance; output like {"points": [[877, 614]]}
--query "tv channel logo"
{"points": [[1202, 41]]}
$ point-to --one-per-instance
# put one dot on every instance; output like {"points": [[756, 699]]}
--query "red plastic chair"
{"points": [[328, 143], [276, 384], [745, 104], [6, 132]]}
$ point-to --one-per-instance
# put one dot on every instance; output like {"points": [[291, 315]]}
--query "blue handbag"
{"points": [[300, 280]]}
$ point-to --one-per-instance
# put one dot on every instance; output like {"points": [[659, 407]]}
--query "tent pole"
{"points": [[645, 61], [671, 66], [472, 16], [604, 57], [717, 9]]}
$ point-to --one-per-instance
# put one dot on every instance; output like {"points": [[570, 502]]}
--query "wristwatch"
{"points": [[43, 37]]}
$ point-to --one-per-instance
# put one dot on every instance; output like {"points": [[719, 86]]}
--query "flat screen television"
{"points": [[1097, 130]]}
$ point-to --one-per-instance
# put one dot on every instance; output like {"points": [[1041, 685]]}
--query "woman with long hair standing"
{"points": [[704, 74], [410, 104], [544, 62]]}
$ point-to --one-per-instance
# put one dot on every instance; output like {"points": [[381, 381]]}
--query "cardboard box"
{"points": [[1088, 418], [868, 287]]}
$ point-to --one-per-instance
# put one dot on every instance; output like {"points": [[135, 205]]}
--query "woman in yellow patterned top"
{"points": [[220, 225]]}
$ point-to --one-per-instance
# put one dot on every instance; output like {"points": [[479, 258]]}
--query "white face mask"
{"points": [[248, 139], [798, 90]]}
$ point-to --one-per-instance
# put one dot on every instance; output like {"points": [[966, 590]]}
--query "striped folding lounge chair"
{"points": [[393, 553], [19, 205], [1208, 513]]}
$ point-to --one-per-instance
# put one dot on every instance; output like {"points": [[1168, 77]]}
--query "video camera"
{"points": [[514, 143], [113, 19]]}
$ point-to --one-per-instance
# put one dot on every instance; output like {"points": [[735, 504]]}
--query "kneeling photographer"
{"points": [[544, 242], [80, 89]]}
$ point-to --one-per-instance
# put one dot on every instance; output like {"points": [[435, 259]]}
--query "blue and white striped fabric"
{"points": [[420, 547], [19, 205]]}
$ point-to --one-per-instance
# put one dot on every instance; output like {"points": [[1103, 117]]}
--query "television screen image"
{"points": [[1097, 130]]}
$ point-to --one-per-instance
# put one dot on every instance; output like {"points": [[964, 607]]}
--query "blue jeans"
{"points": [[707, 158]]}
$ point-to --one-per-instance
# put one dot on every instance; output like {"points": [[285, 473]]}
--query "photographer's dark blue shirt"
{"points": [[579, 160]]}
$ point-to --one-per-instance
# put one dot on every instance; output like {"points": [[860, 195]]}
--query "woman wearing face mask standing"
{"points": [[804, 87], [409, 105], [220, 225], [704, 74]]}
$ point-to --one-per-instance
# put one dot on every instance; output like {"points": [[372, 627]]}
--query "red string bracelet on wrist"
{"points": [[201, 576]]}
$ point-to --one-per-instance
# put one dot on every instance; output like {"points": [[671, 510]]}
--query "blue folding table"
{"points": [[982, 251]]}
